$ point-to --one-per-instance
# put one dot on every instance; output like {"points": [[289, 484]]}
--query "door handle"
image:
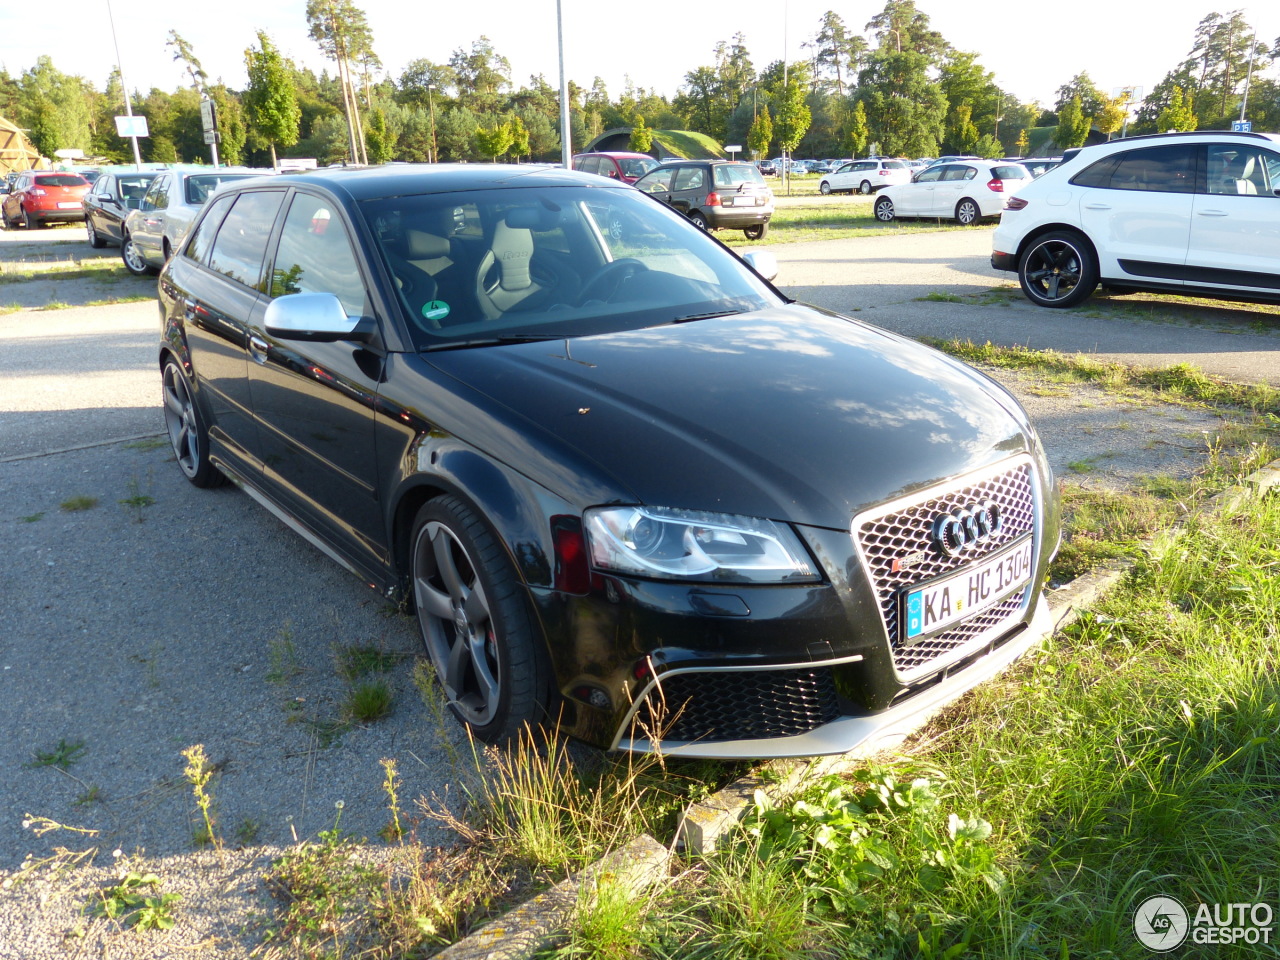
{"points": [[1211, 213], [257, 348], [1097, 206]]}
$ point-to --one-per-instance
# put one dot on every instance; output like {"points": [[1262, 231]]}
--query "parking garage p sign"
{"points": [[1162, 923]]}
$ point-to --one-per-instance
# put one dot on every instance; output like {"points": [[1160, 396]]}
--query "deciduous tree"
{"points": [[270, 100]]}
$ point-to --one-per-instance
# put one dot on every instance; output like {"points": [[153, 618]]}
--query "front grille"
{"points": [[738, 705], [906, 529]]}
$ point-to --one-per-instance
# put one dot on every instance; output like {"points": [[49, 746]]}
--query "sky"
{"points": [[1031, 53]]}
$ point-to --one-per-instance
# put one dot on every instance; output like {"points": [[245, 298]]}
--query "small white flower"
{"points": [[117, 853], [26, 824], [339, 804]]}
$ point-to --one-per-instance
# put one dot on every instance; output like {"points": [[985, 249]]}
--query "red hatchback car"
{"points": [[627, 167], [42, 197]]}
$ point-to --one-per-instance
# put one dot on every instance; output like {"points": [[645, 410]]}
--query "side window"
{"points": [[315, 256], [1239, 170], [931, 175], [1097, 174], [242, 239], [690, 178], [590, 165], [1168, 169], [659, 182], [197, 248], [153, 198]]}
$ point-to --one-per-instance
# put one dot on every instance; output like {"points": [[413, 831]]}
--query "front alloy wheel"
{"points": [[186, 430], [474, 623], [1058, 270], [884, 210], [132, 257], [824, 188], [967, 212]]}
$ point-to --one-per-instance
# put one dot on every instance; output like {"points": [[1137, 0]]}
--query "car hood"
{"points": [[792, 413]]}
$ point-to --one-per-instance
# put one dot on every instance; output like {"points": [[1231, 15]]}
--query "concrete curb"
{"points": [[644, 862], [527, 928]]}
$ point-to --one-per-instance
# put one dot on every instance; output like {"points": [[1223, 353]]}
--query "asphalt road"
{"points": [[182, 616]]}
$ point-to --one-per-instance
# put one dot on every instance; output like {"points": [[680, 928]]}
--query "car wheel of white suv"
{"points": [[1058, 269]]}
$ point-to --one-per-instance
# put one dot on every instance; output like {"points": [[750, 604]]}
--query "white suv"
{"points": [[865, 176], [1196, 214]]}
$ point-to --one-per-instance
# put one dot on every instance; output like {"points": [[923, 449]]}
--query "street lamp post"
{"points": [[435, 150], [128, 108]]}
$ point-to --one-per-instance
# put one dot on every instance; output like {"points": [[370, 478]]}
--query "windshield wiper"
{"points": [[705, 316], [492, 341]]}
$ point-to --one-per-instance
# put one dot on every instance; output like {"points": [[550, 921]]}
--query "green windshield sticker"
{"points": [[435, 310]]}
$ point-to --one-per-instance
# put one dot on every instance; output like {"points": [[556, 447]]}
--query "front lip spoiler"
{"points": [[869, 732]]}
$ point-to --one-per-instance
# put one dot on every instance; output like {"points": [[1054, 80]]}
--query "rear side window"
{"points": [[657, 182], [197, 247], [589, 164], [635, 167], [733, 174], [690, 178], [1164, 169], [242, 239]]}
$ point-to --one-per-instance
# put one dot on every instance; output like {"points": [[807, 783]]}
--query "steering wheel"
{"points": [[605, 282]]}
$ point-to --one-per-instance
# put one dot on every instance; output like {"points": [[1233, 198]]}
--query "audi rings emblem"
{"points": [[965, 527]]}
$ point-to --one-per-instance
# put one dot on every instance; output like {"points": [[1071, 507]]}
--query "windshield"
{"points": [[490, 265], [636, 167], [735, 174]]}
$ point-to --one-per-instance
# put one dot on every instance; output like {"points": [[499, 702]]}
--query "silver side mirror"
{"points": [[311, 316], [762, 262]]}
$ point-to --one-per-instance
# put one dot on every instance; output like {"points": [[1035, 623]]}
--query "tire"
{"points": [[475, 622], [824, 188], [132, 258], [884, 210], [758, 232], [699, 220], [1058, 269], [967, 212], [95, 241], [29, 221], [864, 187], [187, 432], [166, 250]]}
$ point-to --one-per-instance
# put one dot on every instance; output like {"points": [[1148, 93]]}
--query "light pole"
{"points": [[128, 108], [566, 137], [435, 150]]}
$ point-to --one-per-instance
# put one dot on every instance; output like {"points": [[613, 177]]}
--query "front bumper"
{"points": [[870, 731]]}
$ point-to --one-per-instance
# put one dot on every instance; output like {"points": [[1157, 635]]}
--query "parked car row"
{"points": [[965, 191]]}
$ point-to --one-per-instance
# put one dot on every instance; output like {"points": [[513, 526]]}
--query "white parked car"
{"points": [[965, 191], [154, 230], [1197, 214], [865, 176]]}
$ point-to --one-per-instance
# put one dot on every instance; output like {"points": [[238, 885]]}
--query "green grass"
{"points": [[826, 218], [1134, 754], [78, 503], [354, 662], [81, 270], [61, 756], [369, 700]]}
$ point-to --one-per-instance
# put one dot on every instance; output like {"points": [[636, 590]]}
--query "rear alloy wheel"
{"points": [[95, 241], [187, 432], [132, 257], [967, 212], [824, 188], [884, 210], [474, 622], [1058, 269], [699, 220], [758, 232], [864, 187]]}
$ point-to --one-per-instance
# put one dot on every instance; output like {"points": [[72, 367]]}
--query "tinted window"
{"points": [[1165, 169], [589, 164], [315, 256], [930, 175], [202, 236], [156, 197], [61, 180], [1097, 174], [242, 239], [893, 165], [1009, 173], [690, 178]]}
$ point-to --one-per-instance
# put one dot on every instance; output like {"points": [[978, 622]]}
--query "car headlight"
{"points": [[693, 545]]}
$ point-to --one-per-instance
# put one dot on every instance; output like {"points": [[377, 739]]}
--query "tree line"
{"points": [[896, 87]]}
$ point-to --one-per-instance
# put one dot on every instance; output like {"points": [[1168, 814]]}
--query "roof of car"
{"points": [[401, 179]]}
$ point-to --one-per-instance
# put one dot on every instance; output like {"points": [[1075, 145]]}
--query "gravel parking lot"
{"points": [[143, 615]]}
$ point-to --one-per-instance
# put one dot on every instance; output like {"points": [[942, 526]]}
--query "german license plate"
{"points": [[938, 604], [743, 201], [69, 204]]}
